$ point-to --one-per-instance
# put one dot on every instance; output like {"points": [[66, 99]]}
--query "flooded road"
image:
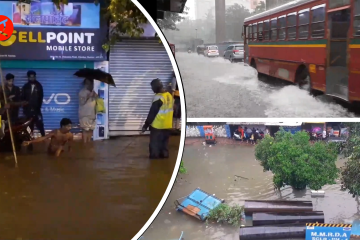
{"points": [[217, 88], [213, 169], [104, 190]]}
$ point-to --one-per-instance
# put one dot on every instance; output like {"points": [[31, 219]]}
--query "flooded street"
{"points": [[104, 190], [213, 169], [233, 90]]}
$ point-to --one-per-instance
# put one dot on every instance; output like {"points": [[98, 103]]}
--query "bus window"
{"points": [[318, 21], [260, 33], [249, 33], [273, 29], [291, 26], [303, 30], [266, 30], [357, 18], [254, 31], [282, 27]]}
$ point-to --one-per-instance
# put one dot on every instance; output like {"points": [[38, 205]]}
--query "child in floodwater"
{"points": [[59, 138]]}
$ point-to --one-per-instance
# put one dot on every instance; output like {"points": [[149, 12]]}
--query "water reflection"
{"points": [[214, 169], [104, 190]]}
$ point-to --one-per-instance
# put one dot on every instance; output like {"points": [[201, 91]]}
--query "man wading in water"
{"points": [[59, 138]]}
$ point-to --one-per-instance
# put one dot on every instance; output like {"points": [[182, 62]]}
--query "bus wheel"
{"points": [[303, 79], [253, 65]]}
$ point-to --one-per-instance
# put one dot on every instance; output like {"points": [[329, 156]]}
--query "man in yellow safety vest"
{"points": [[159, 120]]}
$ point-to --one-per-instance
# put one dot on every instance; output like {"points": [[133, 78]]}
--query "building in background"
{"points": [[275, 3]]}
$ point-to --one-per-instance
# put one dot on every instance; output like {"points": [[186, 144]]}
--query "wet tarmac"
{"points": [[213, 169], [102, 190], [218, 88]]}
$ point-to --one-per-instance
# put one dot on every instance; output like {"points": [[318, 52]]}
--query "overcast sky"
{"points": [[191, 4]]}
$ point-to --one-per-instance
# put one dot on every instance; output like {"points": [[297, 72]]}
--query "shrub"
{"points": [[296, 162]]}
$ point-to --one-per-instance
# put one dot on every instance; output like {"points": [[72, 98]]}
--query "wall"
{"points": [[198, 131]]}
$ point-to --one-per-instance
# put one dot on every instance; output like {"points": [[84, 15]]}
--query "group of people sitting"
{"points": [[250, 135]]}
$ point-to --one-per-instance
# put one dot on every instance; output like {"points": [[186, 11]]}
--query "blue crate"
{"points": [[199, 199]]}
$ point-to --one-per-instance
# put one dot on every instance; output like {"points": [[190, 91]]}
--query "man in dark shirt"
{"points": [[160, 121], [13, 95], [33, 94]]}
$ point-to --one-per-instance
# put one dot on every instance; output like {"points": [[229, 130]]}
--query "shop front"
{"points": [[134, 63], [55, 44]]}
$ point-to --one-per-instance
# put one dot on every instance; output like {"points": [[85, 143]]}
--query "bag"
{"points": [[100, 106]]}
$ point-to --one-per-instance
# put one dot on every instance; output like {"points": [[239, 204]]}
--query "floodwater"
{"points": [[213, 169], [101, 190], [218, 88]]}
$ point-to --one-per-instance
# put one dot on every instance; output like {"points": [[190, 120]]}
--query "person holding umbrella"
{"points": [[87, 109], [159, 120]]}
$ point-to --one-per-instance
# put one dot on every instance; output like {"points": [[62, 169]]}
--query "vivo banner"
{"points": [[102, 89], [72, 32]]}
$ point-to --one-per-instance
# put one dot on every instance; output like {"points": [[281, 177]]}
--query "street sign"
{"points": [[319, 231]]}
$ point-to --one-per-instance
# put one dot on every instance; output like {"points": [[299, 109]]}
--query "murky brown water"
{"points": [[104, 190], [213, 169]]}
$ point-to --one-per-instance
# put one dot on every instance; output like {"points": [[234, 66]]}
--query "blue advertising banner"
{"points": [[72, 32], [101, 130], [328, 233]]}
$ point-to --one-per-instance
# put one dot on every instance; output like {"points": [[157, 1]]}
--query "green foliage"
{"points": [[171, 19], [350, 173], [182, 168], [235, 16], [261, 7], [226, 214], [296, 162]]}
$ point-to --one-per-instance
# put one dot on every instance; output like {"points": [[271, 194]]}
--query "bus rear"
{"points": [[309, 43]]}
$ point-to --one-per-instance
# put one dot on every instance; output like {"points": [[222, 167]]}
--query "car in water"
{"points": [[234, 53], [211, 51], [200, 49]]}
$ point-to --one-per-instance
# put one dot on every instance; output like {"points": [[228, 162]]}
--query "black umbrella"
{"points": [[96, 74]]}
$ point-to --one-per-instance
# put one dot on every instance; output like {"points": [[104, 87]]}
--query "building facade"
{"points": [[55, 44], [274, 3]]}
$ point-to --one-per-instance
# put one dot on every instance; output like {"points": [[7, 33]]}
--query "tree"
{"points": [[170, 20], [350, 173], [259, 8], [235, 16], [296, 162]]}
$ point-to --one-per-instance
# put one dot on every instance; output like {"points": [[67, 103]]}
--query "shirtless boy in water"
{"points": [[59, 138]]}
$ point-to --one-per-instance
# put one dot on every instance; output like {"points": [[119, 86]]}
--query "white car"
{"points": [[211, 51]]}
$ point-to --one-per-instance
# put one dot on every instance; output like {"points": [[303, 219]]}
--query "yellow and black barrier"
{"points": [[327, 225]]}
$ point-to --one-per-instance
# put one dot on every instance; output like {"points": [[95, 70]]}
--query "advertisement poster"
{"points": [[72, 32], [102, 90]]}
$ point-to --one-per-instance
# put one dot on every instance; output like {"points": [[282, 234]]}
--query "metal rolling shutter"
{"points": [[133, 65], [54, 81]]}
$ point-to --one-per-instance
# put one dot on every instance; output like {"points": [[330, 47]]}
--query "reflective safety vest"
{"points": [[164, 118]]}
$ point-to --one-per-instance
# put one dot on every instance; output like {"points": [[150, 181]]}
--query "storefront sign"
{"points": [[42, 32], [328, 233]]}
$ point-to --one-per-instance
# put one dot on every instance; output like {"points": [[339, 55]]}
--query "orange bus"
{"points": [[312, 43]]}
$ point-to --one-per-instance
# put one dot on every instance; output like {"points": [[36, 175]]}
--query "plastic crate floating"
{"points": [[198, 204]]}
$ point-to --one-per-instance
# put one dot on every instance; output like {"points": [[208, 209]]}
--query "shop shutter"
{"points": [[133, 65], [61, 90]]}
